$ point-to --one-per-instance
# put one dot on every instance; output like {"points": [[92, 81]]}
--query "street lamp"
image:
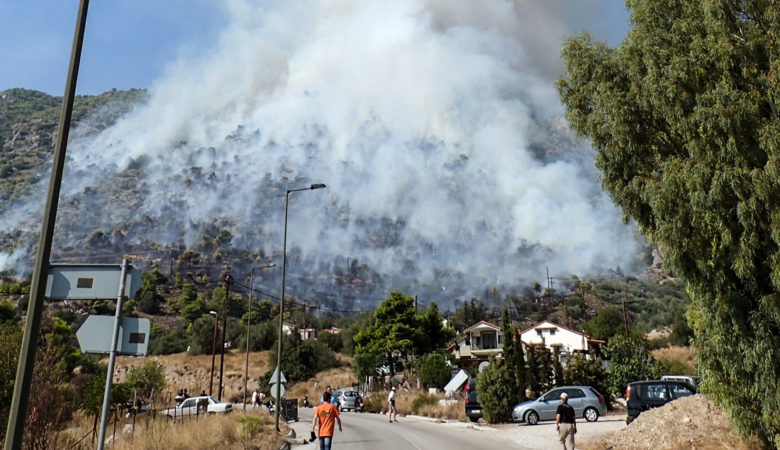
{"points": [[281, 301], [249, 321], [213, 350]]}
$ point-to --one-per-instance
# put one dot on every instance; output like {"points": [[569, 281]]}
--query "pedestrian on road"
{"points": [[255, 400], [391, 412], [565, 424], [327, 415], [329, 391]]}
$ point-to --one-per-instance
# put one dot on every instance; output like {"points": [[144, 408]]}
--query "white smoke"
{"points": [[421, 113]]}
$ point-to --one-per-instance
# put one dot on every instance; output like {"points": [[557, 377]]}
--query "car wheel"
{"points": [[532, 418], [211, 413], [591, 415]]}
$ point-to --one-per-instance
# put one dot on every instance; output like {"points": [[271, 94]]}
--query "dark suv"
{"points": [[644, 395], [473, 408]]}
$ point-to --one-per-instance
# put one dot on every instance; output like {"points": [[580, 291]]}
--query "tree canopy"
{"points": [[684, 118]]}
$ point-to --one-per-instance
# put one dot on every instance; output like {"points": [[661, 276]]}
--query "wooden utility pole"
{"points": [[625, 312]]}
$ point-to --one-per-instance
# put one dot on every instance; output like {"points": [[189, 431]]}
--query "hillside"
{"points": [[193, 204]]}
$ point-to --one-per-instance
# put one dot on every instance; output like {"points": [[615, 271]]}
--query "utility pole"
{"points": [[228, 280], [213, 351], [625, 312], [24, 371]]}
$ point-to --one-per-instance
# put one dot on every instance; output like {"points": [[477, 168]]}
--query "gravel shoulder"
{"points": [[544, 436]]}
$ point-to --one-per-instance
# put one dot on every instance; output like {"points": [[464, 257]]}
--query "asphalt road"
{"points": [[374, 432]]}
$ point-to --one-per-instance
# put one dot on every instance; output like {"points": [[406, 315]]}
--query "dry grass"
{"points": [[683, 355], [233, 431], [184, 371], [339, 378]]}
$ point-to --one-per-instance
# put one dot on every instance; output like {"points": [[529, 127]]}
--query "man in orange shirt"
{"points": [[328, 415]]}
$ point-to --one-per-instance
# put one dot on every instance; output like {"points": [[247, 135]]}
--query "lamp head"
{"points": [[317, 186]]}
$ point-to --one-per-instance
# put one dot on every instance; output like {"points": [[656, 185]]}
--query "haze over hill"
{"points": [[434, 124]]}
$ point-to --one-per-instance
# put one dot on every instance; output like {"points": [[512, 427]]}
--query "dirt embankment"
{"points": [[693, 422]]}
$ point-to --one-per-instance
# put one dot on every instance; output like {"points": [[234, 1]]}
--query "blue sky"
{"points": [[129, 42]]}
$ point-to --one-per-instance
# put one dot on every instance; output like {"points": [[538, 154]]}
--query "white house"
{"points": [[552, 335], [479, 341]]}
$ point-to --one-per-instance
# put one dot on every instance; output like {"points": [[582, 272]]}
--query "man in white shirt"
{"points": [[392, 415]]}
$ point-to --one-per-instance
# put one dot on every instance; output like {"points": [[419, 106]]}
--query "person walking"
{"points": [[255, 400], [329, 391], [565, 423], [391, 412], [327, 415]]}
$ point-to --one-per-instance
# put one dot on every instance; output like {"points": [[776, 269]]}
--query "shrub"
{"points": [[423, 400], [629, 361], [434, 371], [589, 372], [494, 392]]}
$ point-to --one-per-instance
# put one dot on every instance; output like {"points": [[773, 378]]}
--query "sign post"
{"points": [[110, 375]]}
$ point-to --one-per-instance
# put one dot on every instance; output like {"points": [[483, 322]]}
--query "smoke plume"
{"points": [[435, 126]]}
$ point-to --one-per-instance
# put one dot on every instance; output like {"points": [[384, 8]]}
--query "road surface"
{"points": [[373, 432]]}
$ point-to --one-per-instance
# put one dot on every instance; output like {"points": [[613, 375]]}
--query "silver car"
{"points": [[347, 399], [586, 401]]}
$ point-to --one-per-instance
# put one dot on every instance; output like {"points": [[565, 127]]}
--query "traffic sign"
{"points": [[273, 391], [89, 281], [95, 333], [275, 377]]}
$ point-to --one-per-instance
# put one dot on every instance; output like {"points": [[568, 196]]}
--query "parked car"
{"points": [[586, 401], [473, 408], [644, 395], [198, 405], [348, 399]]}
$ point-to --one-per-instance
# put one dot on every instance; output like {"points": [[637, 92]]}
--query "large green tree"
{"points": [[684, 118], [393, 330]]}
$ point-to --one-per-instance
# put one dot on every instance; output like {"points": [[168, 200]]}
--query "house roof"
{"points": [[480, 324]]}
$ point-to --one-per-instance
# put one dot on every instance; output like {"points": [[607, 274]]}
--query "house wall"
{"points": [[569, 341]]}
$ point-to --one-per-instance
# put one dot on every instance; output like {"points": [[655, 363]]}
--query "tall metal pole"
{"points": [[112, 356], [248, 322], [281, 301], [213, 353], [228, 279], [281, 314], [24, 372]]}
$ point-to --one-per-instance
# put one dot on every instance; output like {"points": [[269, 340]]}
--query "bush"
{"points": [[303, 360], [494, 392], [629, 361], [149, 376], [434, 371], [422, 401], [589, 372]]}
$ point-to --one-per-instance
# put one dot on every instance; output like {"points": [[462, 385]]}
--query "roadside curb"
{"points": [[452, 422]]}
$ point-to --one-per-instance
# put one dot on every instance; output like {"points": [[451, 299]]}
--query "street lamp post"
{"points": [[281, 300], [249, 322]]}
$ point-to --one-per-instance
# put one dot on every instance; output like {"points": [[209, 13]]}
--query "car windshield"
{"points": [[213, 400], [472, 396]]}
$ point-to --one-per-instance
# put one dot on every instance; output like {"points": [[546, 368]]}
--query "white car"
{"points": [[198, 405]]}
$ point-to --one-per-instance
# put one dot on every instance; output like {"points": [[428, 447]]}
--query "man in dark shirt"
{"points": [[565, 423]]}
